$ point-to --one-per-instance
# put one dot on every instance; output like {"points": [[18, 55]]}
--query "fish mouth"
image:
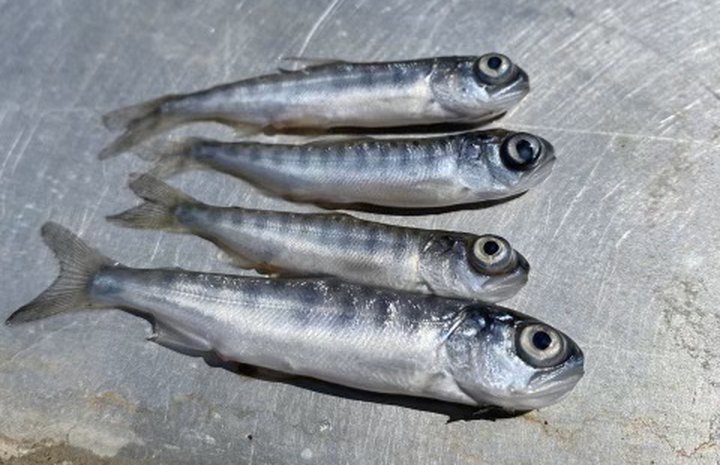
{"points": [[512, 92], [548, 156], [565, 384], [557, 384], [522, 81], [504, 286], [548, 393]]}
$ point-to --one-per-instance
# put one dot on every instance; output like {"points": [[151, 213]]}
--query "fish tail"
{"points": [[78, 265], [170, 157], [125, 118], [140, 122], [158, 210]]}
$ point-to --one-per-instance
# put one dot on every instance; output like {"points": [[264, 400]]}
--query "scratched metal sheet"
{"points": [[622, 237]]}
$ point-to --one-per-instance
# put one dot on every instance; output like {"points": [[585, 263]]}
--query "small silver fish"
{"points": [[444, 263], [408, 173], [464, 89], [363, 337]]}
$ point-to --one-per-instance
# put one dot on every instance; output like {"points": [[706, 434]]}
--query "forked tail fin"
{"points": [[140, 122], [78, 265], [158, 210]]}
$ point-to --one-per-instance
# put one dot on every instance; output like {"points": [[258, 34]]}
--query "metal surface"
{"points": [[622, 237]]}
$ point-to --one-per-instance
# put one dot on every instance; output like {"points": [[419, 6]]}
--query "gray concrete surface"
{"points": [[623, 237]]}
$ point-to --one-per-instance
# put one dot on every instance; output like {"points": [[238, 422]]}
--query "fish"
{"points": [[378, 340], [452, 264], [402, 173], [455, 89]]}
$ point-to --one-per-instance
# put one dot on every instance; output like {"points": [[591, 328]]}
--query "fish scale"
{"points": [[322, 238]]}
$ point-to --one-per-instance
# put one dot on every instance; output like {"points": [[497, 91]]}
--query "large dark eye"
{"points": [[521, 151], [492, 255], [494, 68], [541, 346]]}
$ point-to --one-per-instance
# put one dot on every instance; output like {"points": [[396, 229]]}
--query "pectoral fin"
{"points": [[179, 340], [262, 268]]}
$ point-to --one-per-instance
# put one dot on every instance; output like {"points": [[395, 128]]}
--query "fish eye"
{"points": [[521, 151], [541, 346], [494, 68], [492, 255]]}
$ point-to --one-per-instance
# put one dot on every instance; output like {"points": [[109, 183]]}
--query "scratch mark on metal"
{"points": [[612, 191], [582, 191], [323, 17], [629, 135], [227, 48], [573, 37], [602, 23], [608, 224], [10, 152], [614, 348], [579, 90], [83, 221], [93, 72], [38, 342], [607, 273], [4, 113], [548, 211], [622, 238], [712, 91], [90, 213], [23, 150], [668, 119]]}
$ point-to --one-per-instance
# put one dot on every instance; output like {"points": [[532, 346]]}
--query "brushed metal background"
{"points": [[623, 238]]}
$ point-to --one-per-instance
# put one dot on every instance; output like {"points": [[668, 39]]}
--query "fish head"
{"points": [[500, 163], [504, 358], [483, 267], [476, 89]]}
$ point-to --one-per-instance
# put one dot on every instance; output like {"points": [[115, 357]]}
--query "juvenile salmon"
{"points": [[402, 173], [463, 89], [445, 263], [363, 337]]}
